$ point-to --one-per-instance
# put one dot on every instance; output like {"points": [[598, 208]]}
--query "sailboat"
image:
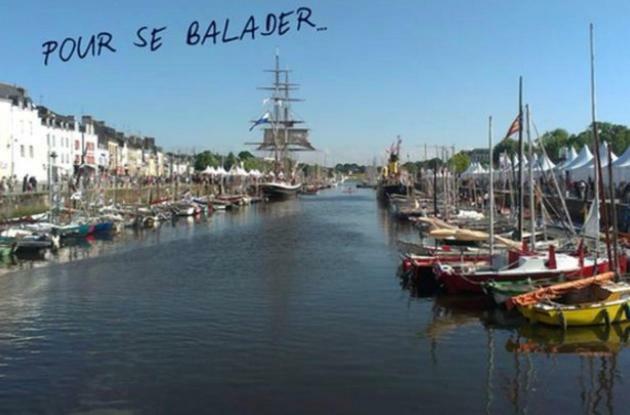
{"points": [[282, 137]]}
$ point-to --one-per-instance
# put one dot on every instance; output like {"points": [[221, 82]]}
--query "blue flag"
{"points": [[262, 120]]}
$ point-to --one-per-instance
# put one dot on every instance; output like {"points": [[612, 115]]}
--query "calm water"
{"points": [[286, 308]]}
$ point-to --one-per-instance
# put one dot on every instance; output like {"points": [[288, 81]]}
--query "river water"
{"points": [[292, 307]]}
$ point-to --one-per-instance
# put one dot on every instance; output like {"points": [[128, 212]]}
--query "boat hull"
{"points": [[457, 283], [383, 190], [601, 313], [280, 191]]}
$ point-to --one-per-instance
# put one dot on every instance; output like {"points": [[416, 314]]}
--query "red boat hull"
{"points": [[456, 283]]}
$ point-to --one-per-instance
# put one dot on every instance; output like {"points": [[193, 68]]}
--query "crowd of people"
{"points": [[10, 184]]}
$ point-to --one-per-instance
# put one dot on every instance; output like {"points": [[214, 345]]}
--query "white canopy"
{"points": [[583, 157], [209, 171], [237, 171], [621, 168], [587, 170], [543, 164], [570, 156], [474, 170], [221, 171]]}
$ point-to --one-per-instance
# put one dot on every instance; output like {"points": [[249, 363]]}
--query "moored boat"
{"points": [[589, 301]]}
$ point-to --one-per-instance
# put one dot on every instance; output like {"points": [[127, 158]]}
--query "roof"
{"points": [[8, 91]]}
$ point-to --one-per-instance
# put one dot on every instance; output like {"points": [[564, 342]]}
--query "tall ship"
{"points": [[391, 180], [283, 135]]}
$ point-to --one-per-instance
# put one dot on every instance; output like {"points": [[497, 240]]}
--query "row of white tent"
{"points": [[235, 171], [577, 166]]}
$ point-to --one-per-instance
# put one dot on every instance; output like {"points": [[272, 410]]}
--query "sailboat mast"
{"points": [[520, 157], [276, 111], [532, 207], [599, 183], [491, 190]]}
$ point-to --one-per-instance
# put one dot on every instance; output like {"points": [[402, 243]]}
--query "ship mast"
{"points": [[282, 138]]}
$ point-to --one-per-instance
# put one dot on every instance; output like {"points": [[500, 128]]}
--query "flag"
{"points": [[515, 127], [262, 120]]}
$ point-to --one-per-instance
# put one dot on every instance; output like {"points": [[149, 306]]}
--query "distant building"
{"points": [[22, 151], [479, 155], [60, 131]]}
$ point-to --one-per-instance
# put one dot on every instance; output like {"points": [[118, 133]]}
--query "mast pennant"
{"points": [[515, 127]]}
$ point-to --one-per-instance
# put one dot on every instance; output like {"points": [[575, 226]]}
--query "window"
{"points": [[30, 126], [31, 152], [48, 139], [21, 150], [53, 141]]}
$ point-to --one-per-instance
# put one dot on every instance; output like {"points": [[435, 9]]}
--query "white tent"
{"points": [[621, 168], [587, 170], [583, 157], [474, 170], [209, 171], [543, 165], [470, 171], [221, 171], [570, 156]]}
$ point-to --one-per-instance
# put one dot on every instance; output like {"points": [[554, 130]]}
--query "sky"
{"points": [[429, 71]]}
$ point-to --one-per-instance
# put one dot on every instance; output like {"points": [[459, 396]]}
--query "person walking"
{"points": [[33, 183], [25, 183]]}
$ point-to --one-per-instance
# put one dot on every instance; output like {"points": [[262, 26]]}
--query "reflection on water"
{"points": [[531, 368], [289, 307]]}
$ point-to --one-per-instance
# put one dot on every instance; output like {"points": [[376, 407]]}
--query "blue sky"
{"points": [[431, 71]]}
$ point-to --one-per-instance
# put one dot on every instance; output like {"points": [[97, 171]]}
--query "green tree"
{"points": [[206, 159], [459, 162], [554, 141], [230, 161], [508, 146], [245, 155]]}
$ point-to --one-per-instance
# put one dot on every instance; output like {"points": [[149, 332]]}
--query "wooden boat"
{"points": [[586, 302], [502, 291], [464, 278]]}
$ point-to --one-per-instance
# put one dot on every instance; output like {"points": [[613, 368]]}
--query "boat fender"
{"points": [[626, 309], [563, 320]]}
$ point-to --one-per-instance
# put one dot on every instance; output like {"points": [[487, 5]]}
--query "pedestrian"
{"points": [[25, 183], [33, 182]]}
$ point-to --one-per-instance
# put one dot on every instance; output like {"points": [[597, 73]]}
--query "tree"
{"points": [[508, 146], [459, 162], [230, 161], [245, 155], [554, 141], [206, 159]]}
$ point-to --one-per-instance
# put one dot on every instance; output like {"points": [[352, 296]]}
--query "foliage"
{"points": [[210, 159], [618, 136], [349, 168], [207, 159], [230, 161], [245, 155], [459, 162], [508, 146], [554, 141]]}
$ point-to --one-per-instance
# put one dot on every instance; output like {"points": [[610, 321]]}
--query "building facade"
{"points": [[23, 153]]}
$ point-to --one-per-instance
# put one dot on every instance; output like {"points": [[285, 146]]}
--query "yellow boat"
{"points": [[587, 340], [585, 302]]}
